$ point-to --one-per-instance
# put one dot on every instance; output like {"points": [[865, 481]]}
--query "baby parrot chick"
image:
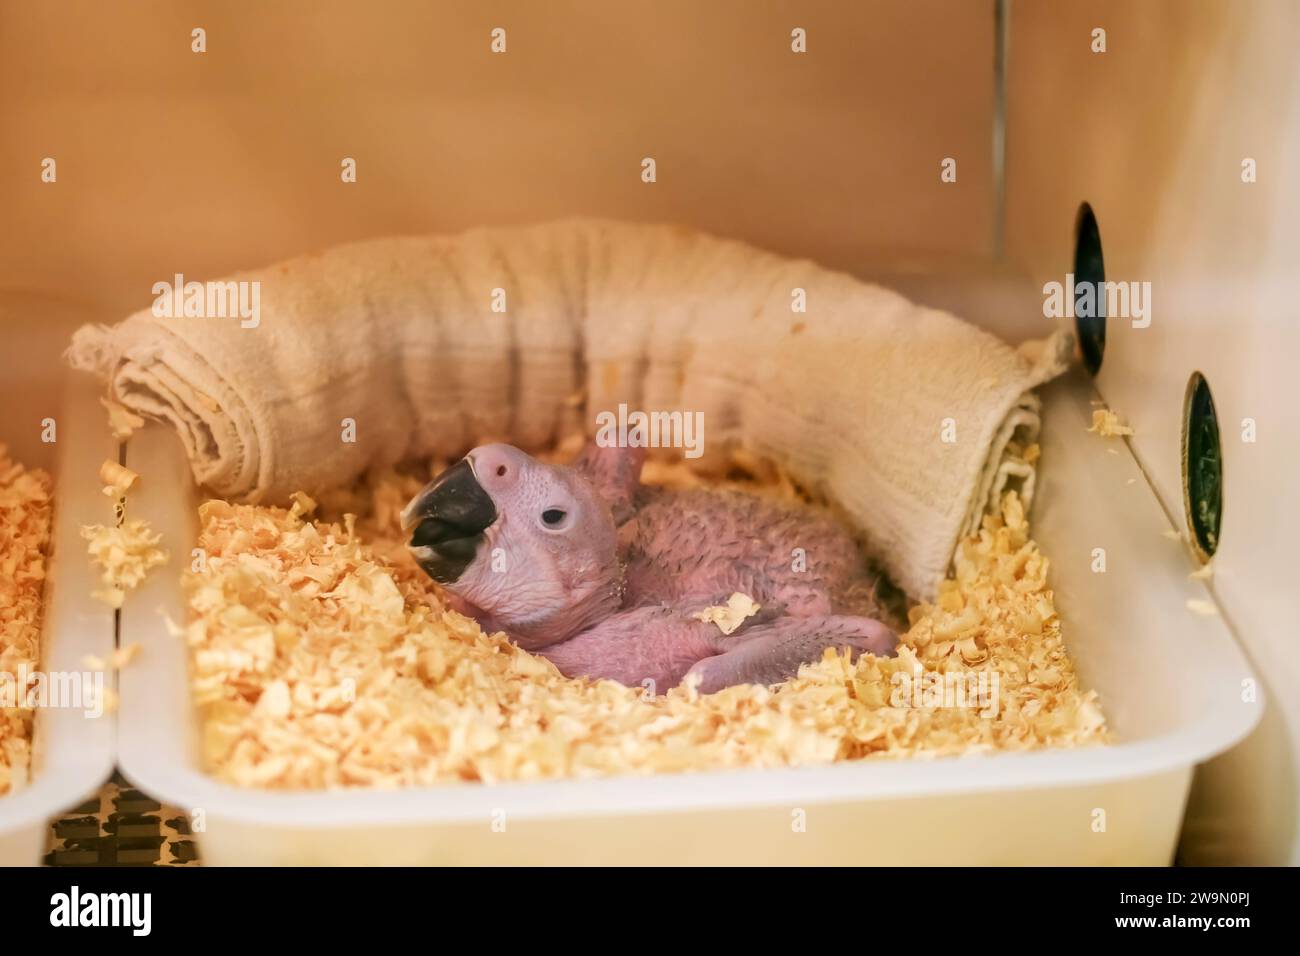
{"points": [[609, 578]]}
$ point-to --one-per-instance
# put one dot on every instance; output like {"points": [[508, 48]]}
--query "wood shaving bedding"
{"points": [[1107, 424], [117, 479], [322, 657], [728, 617], [122, 422], [26, 505], [125, 553]]}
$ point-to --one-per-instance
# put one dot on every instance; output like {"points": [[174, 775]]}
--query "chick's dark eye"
{"points": [[552, 517]]}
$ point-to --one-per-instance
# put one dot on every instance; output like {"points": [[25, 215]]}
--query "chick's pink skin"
{"points": [[605, 601], [658, 646], [683, 547]]}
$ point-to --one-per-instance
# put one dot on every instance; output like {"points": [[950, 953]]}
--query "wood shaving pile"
{"points": [[25, 514], [125, 553], [322, 657]]}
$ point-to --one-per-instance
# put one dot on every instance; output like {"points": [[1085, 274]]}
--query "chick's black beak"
{"points": [[448, 517]]}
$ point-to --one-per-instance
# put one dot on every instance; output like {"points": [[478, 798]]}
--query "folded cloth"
{"points": [[908, 418]]}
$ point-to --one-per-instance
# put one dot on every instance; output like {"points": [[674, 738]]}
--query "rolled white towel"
{"points": [[901, 414]]}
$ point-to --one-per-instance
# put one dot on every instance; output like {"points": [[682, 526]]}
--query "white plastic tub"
{"points": [[72, 752], [1170, 681]]}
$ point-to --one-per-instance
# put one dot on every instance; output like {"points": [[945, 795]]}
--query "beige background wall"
{"points": [[173, 161]]}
